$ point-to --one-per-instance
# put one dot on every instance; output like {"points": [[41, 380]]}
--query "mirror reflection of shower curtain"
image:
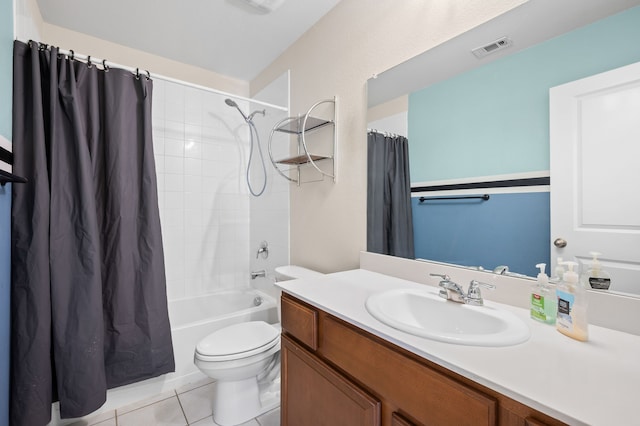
{"points": [[88, 296], [389, 216]]}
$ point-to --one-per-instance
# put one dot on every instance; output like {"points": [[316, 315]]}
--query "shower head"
{"points": [[232, 103]]}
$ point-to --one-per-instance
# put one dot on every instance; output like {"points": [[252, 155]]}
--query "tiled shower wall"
{"points": [[202, 148]]}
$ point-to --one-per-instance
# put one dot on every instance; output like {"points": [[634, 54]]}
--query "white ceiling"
{"points": [[224, 36]]}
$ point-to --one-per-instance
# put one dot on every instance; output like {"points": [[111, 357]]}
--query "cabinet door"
{"points": [[399, 420], [313, 394]]}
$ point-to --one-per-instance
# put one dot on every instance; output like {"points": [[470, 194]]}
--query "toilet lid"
{"points": [[238, 339]]}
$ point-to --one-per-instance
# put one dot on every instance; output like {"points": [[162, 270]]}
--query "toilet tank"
{"points": [[293, 272]]}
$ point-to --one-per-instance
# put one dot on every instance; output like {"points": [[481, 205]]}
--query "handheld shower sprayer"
{"points": [[233, 104], [252, 130]]}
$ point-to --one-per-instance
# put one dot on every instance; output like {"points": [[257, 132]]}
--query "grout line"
{"points": [[197, 387], [184, 414]]}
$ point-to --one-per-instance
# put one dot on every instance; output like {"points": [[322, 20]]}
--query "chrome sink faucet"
{"points": [[454, 292]]}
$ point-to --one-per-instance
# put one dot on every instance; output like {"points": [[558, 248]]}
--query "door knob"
{"points": [[560, 242]]}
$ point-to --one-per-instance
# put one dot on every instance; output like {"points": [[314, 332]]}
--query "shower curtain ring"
{"points": [[89, 64], [104, 65], [148, 75], [72, 54], [137, 73]]}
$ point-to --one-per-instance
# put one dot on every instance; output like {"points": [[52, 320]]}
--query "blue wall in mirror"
{"points": [[495, 119], [504, 230]]}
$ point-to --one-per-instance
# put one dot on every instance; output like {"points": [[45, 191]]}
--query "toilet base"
{"points": [[239, 401]]}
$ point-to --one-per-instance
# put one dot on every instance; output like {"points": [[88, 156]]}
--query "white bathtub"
{"points": [[194, 318], [191, 320]]}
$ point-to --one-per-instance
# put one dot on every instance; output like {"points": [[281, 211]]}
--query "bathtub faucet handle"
{"points": [[263, 249]]}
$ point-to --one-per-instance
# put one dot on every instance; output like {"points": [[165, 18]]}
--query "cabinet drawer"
{"points": [[426, 395], [300, 321]]}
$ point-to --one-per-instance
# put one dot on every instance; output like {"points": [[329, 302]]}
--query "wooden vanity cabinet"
{"points": [[334, 373]]}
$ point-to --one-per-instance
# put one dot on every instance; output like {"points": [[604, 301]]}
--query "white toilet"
{"points": [[244, 359]]}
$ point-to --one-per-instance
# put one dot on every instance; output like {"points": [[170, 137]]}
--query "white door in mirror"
{"points": [[595, 173]]}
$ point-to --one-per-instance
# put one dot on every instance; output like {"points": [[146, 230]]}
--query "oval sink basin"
{"points": [[425, 314]]}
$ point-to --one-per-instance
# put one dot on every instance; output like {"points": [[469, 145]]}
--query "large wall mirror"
{"points": [[480, 124]]}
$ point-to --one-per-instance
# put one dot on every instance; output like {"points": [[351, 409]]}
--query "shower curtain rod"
{"points": [[386, 134], [104, 62]]}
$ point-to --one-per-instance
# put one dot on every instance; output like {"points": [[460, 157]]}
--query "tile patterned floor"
{"points": [[189, 405]]}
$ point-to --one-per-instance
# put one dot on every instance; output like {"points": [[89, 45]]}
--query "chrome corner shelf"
{"points": [[300, 126]]}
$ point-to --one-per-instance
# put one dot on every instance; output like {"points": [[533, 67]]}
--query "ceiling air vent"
{"points": [[494, 46]]}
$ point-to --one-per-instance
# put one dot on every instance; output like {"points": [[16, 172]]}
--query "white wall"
{"points": [[357, 39], [28, 21]]}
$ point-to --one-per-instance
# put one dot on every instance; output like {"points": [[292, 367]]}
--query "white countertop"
{"points": [[592, 383]]}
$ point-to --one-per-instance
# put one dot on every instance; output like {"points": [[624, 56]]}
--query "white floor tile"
{"points": [[205, 422], [145, 402], [110, 422], [209, 422], [164, 413], [197, 402], [272, 418]]}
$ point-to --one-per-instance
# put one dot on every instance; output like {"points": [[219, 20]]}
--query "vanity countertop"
{"points": [[591, 383]]}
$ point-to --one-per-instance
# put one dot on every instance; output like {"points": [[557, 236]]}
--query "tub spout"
{"points": [[256, 274]]}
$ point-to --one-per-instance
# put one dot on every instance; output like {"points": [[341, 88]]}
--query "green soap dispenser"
{"points": [[572, 306], [543, 298], [595, 277]]}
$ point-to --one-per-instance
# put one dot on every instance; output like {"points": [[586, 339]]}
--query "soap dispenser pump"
{"points": [[543, 298], [595, 277], [572, 305]]}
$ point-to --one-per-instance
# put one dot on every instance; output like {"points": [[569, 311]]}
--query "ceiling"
{"points": [[224, 36]]}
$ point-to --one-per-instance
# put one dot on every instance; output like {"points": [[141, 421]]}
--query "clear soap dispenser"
{"points": [[559, 271], [595, 277], [543, 298], [572, 305]]}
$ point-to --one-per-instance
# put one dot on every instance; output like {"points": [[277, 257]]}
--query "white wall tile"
{"points": [[174, 147], [174, 165], [173, 182], [193, 106], [211, 225], [174, 102]]}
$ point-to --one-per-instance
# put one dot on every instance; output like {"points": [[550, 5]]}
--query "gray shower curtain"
{"points": [[88, 302], [389, 216]]}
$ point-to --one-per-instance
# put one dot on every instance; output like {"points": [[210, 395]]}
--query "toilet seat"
{"points": [[238, 341]]}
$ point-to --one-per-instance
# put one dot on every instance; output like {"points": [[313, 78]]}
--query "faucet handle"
{"points": [[474, 297], [445, 277], [263, 249]]}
